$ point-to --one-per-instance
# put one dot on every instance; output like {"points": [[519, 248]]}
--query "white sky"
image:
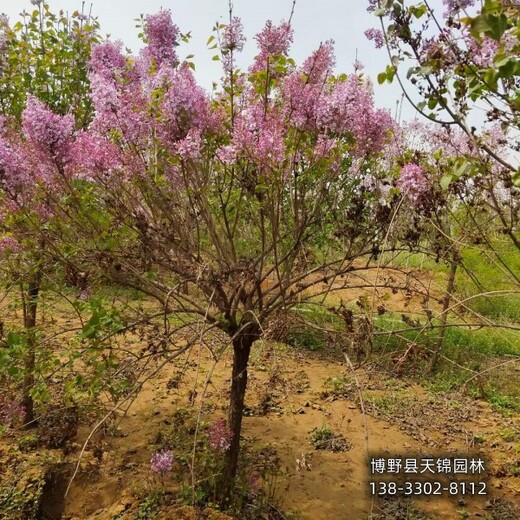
{"points": [[344, 21]]}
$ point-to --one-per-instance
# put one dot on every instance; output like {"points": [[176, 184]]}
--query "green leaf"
{"points": [[13, 339], [516, 178], [490, 25], [418, 11], [446, 181]]}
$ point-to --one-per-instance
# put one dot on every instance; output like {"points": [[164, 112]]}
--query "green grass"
{"points": [[465, 353], [459, 342], [307, 333], [487, 275], [492, 276]]}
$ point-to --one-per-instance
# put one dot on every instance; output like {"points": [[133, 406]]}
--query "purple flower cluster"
{"points": [[454, 6], [162, 462], [483, 52], [259, 138], [372, 5], [227, 154], [189, 148], [184, 104], [9, 245], [233, 38], [220, 436], [13, 166], [318, 67], [44, 128], [376, 36], [92, 154], [107, 58], [163, 37], [272, 41], [349, 108], [413, 182]]}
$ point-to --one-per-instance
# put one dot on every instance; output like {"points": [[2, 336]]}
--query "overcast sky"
{"points": [[314, 21]]}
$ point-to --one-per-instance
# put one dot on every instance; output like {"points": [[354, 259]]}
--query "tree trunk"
{"points": [[30, 313], [445, 306], [241, 350]]}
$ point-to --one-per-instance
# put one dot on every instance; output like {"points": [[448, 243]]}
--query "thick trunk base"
{"points": [[241, 350]]}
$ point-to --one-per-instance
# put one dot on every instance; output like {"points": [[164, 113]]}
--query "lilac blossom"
{"points": [[413, 182], [376, 36], [227, 154], [372, 5], [107, 58], [220, 436], [14, 170], [349, 108], [92, 154], [260, 138], [454, 6], [189, 148], [318, 67], [163, 37], [184, 103], [272, 41], [233, 38], [49, 131], [162, 461], [9, 245]]}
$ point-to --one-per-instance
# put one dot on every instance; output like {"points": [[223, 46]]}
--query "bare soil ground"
{"points": [[291, 394], [289, 397]]}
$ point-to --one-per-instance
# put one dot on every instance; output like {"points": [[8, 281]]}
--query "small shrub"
{"points": [[58, 426]]}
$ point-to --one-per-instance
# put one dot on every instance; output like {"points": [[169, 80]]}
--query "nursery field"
{"points": [[312, 423]]}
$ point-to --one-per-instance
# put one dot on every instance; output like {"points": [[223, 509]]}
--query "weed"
{"points": [[501, 509], [401, 508], [387, 404], [479, 438], [509, 435], [338, 387], [325, 439], [28, 442], [503, 404], [149, 508]]}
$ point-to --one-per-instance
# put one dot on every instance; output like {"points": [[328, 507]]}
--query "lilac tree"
{"points": [[234, 195], [463, 64], [30, 160], [43, 57], [225, 210]]}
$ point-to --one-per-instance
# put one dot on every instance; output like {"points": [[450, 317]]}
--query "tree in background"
{"points": [[43, 97], [463, 66], [465, 69]]}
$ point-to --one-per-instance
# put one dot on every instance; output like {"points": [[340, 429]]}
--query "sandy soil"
{"points": [[291, 393]]}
